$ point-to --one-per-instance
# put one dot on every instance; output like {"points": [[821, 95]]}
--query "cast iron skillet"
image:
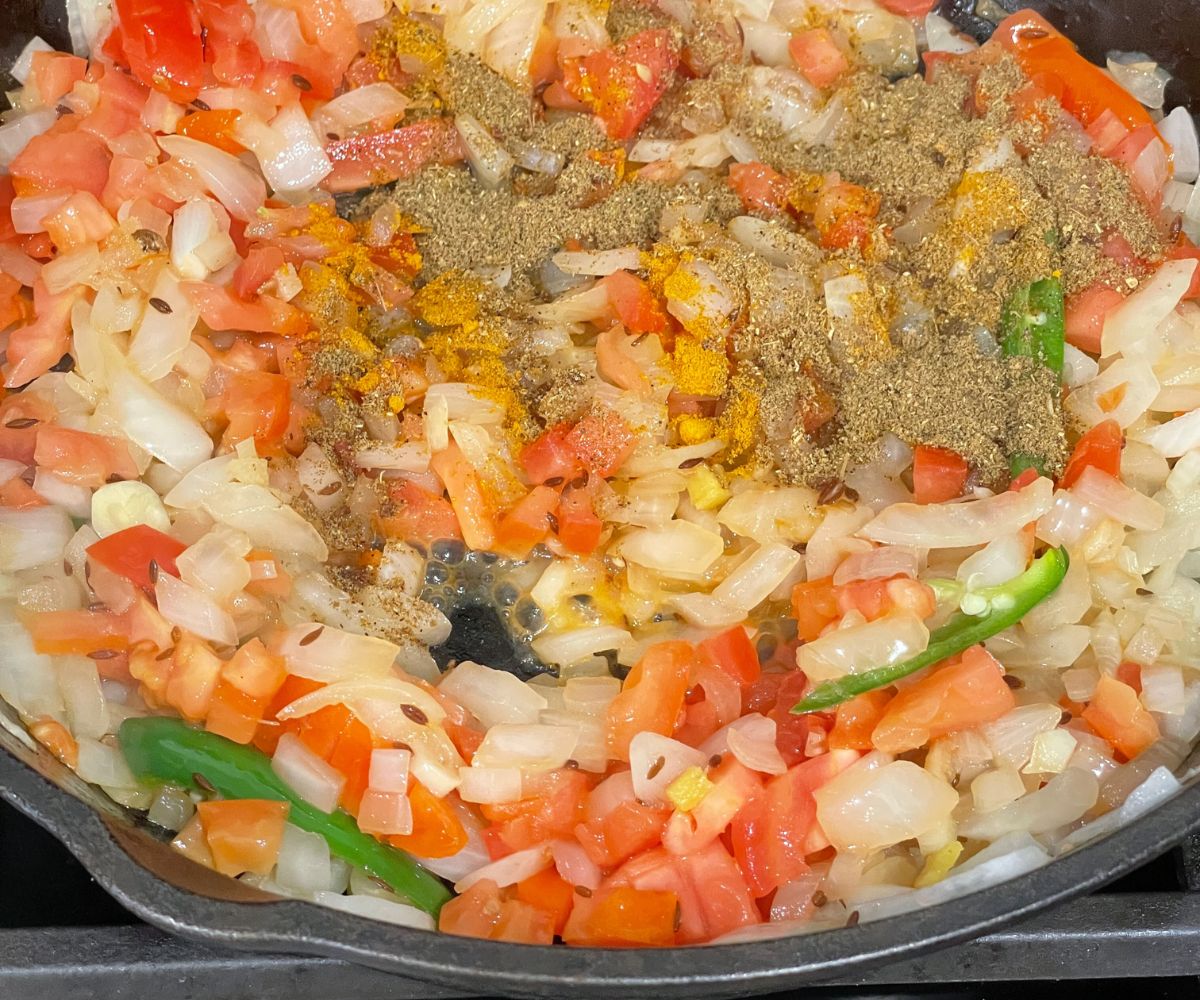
{"points": [[170, 892]]}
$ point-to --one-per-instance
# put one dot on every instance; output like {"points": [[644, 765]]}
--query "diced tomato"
{"points": [[629, 917], [1130, 673], [80, 219], [622, 84], [258, 406], [215, 127], [817, 56], [195, 671], [233, 713], [351, 755], [550, 892], [579, 529], [33, 349], [959, 696], [130, 552], [14, 307], [17, 494], [475, 517], [627, 830], [938, 474], [222, 310], [437, 831], [77, 632], [254, 670], [55, 737], [1117, 715], [1085, 312], [1099, 448], [1087, 90], [162, 44], [651, 697], [761, 188], [551, 456], [857, 719], [552, 806], [419, 515], [527, 522], [53, 74], [734, 653], [1023, 479], [21, 417], [62, 160], [364, 161], [257, 269], [83, 459], [244, 835], [485, 911], [635, 304], [815, 605], [908, 8], [1106, 132], [603, 441], [734, 785], [770, 832], [844, 214]]}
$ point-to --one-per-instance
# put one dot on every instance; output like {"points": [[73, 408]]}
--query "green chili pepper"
{"points": [[1033, 323], [1007, 605], [169, 750]]}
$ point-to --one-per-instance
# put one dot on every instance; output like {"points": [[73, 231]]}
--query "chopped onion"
{"points": [[87, 711], [490, 785], [1068, 519], [766, 40], [1011, 737], [117, 506], [708, 304], [1052, 752], [1153, 302], [490, 162], [955, 525], [1102, 491], [574, 865], [412, 456], [360, 106], [75, 500], [308, 775], [891, 639], [598, 263], [388, 771], [193, 611], [1158, 786], [590, 695], [753, 744], [1141, 387], [173, 807], [878, 564], [104, 765], [32, 537], [865, 809], [996, 788], [579, 644], [17, 264], [1062, 800], [492, 696], [230, 181], [305, 865], [164, 429], [1140, 75], [267, 521], [160, 338], [529, 747], [537, 160], [509, 870], [375, 908], [1178, 129], [1175, 437], [753, 580], [677, 548], [942, 36], [74, 267], [1163, 689], [324, 653], [300, 161], [22, 69], [1065, 606], [784, 514], [655, 761], [216, 563]]}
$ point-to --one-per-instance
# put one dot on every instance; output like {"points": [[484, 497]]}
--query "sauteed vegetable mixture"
{"points": [[614, 472]]}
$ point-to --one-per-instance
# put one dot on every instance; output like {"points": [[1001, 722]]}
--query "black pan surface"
{"points": [[164, 889]]}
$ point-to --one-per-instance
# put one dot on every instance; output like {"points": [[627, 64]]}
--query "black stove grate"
{"points": [[62, 938]]}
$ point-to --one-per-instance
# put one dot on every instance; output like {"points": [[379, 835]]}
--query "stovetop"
{"points": [[62, 938]]}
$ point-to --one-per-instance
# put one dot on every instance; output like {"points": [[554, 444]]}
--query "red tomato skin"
{"points": [[956, 696], [908, 8], [622, 84], [379, 159], [817, 56], [938, 474], [129, 553], [161, 40], [1100, 448], [630, 828], [83, 459], [551, 455], [72, 160], [579, 529], [222, 310], [1184, 250], [602, 441], [734, 653], [651, 697], [258, 406], [1085, 312], [38, 345], [634, 304], [761, 188]]}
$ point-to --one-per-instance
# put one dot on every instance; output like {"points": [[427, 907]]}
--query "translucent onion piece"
{"points": [[492, 696], [308, 775], [1153, 302], [509, 870], [1062, 800], [529, 747], [1100, 490], [891, 639], [655, 761]]}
